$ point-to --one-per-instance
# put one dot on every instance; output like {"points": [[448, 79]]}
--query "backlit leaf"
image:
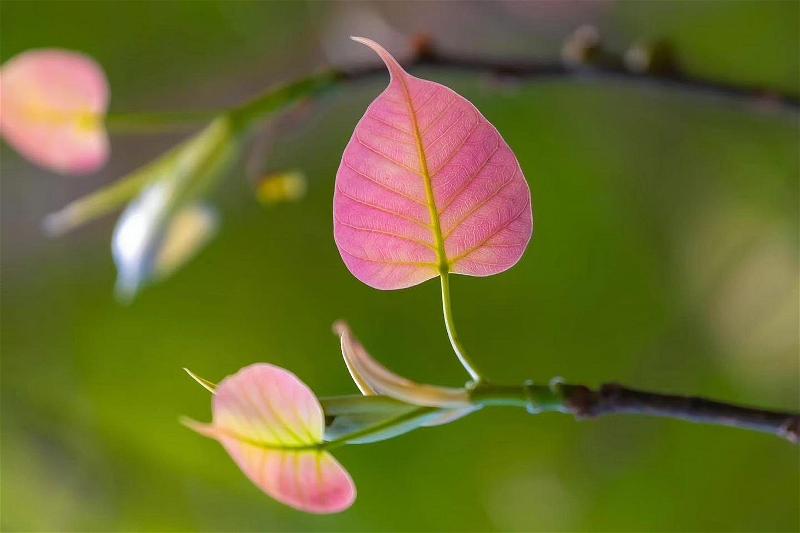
{"points": [[426, 186], [272, 426]]}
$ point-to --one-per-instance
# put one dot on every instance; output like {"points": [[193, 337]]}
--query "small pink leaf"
{"points": [[426, 186], [272, 425], [53, 107]]}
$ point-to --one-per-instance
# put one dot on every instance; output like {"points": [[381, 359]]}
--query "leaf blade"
{"points": [[427, 186], [311, 480], [272, 426]]}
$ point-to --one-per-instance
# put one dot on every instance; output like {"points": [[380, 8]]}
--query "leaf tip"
{"points": [[57, 223], [339, 327], [206, 384], [386, 57], [207, 430]]}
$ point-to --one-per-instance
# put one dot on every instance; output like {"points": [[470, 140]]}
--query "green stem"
{"points": [[149, 122], [452, 334], [277, 98], [96, 204], [242, 119], [534, 398], [245, 115]]}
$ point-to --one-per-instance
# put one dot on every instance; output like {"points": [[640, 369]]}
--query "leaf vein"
{"points": [[385, 262], [383, 185], [457, 149], [469, 180], [383, 209], [438, 116], [447, 130], [388, 158], [479, 205], [379, 120], [387, 233], [492, 235]]}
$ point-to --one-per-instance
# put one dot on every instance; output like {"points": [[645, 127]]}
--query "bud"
{"points": [[166, 225]]}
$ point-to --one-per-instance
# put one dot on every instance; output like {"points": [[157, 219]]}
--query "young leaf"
{"points": [[272, 426], [373, 378], [427, 186]]}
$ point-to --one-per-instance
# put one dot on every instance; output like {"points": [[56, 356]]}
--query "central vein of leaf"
{"points": [[441, 255], [313, 446]]}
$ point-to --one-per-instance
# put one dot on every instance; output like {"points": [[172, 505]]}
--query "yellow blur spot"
{"points": [[88, 121], [189, 231], [282, 187]]}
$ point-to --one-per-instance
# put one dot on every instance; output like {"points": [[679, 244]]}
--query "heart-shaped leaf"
{"points": [[272, 425], [427, 186]]}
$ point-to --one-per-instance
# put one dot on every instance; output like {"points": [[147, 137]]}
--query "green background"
{"points": [[665, 257]]}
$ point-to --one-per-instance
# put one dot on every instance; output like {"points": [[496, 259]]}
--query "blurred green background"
{"points": [[665, 257]]}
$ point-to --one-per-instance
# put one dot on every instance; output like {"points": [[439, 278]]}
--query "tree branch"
{"points": [[585, 61], [612, 398]]}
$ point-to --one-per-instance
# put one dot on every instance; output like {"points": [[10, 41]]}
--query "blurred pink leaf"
{"points": [[427, 185], [53, 106], [272, 425]]}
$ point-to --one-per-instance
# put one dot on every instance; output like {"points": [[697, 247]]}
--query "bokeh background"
{"points": [[665, 257]]}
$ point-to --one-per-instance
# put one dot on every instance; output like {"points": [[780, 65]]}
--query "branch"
{"points": [[585, 60], [612, 398], [585, 403]]}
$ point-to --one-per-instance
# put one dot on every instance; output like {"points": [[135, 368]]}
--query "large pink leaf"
{"points": [[272, 425], [427, 185]]}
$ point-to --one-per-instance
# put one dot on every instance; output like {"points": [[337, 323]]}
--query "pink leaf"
{"points": [[427, 185], [272, 425], [53, 106]]}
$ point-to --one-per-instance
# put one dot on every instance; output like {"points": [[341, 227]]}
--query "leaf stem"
{"points": [[95, 204], [157, 121], [452, 334], [277, 98]]}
